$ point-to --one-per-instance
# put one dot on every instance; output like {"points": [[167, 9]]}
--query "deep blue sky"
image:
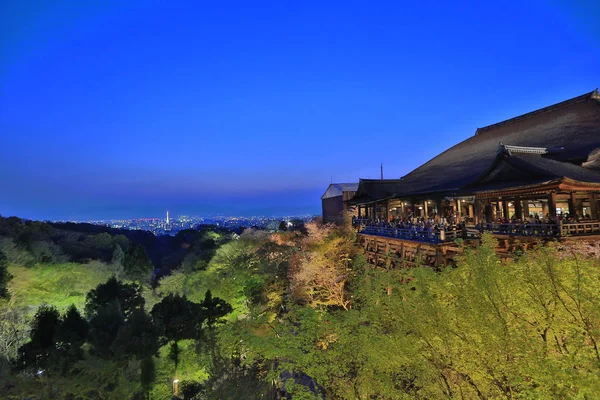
{"points": [[110, 109]]}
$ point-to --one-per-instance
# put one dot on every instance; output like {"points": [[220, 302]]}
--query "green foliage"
{"points": [[73, 328], [5, 276], [305, 312], [118, 255], [178, 317], [147, 373], [137, 337], [13, 332], [36, 353], [190, 389], [126, 297], [136, 262], [105, 323], [60, 285], [15, 255], [214, 308]]}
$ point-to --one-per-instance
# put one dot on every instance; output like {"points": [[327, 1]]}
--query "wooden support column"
{"points": [[572, 210], [489, 216], [425, 209], [458, 212], [359, 209], [476, 211], [552, 205], [505, 209], [526, 208], [593, 206], [579, 207], [454, 212], [518, 208], [438, 205]]}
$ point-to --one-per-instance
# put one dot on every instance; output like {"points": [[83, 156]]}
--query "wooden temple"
{"points": [[531, 177]]}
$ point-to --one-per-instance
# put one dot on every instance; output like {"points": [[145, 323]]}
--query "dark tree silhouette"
{"points": [[214, 308], [137, 337], [38, 352], [147, 375], [127, 297], [178, 319], [4, 276], [104, 327], [136, 262]]}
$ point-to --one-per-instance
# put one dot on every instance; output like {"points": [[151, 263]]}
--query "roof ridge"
{"points": [[521, 149], [579, 99]]}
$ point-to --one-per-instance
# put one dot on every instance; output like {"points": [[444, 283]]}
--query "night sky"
{"points": [[110, 109]]}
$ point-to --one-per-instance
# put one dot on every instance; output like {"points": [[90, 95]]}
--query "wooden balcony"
{"points": [[405, 248]]}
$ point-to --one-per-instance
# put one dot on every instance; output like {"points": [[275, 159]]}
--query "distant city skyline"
{"points": [[225, 207], [125, 109]]}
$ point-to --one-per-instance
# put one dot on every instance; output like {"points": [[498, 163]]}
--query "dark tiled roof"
{"points": [[514, 168], [375, 189], [573, 125]]}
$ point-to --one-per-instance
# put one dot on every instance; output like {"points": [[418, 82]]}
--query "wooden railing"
{"points": [[581, 228], [513, 229], [412, 234], [544, 230]]}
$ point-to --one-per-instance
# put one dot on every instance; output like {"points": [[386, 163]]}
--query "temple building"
{"points": [[333, 201], [537, 174]]}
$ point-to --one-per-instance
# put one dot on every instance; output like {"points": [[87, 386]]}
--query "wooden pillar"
{"points": [[572, 211], [552, 205], [359, 209], [593, 206], [518, 208], [438, 205], [545, 209], [489, 217], [505, 208], [454, 211], [476, 210], [425, 209], [458, 212], [579, 207], [526, 208], [387, 216]]}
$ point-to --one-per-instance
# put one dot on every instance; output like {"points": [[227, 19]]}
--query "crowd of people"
{"points": [[432, 226], [411, 226]]}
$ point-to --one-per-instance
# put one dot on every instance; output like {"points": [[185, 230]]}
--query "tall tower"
{"points": [[167, 217]]}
